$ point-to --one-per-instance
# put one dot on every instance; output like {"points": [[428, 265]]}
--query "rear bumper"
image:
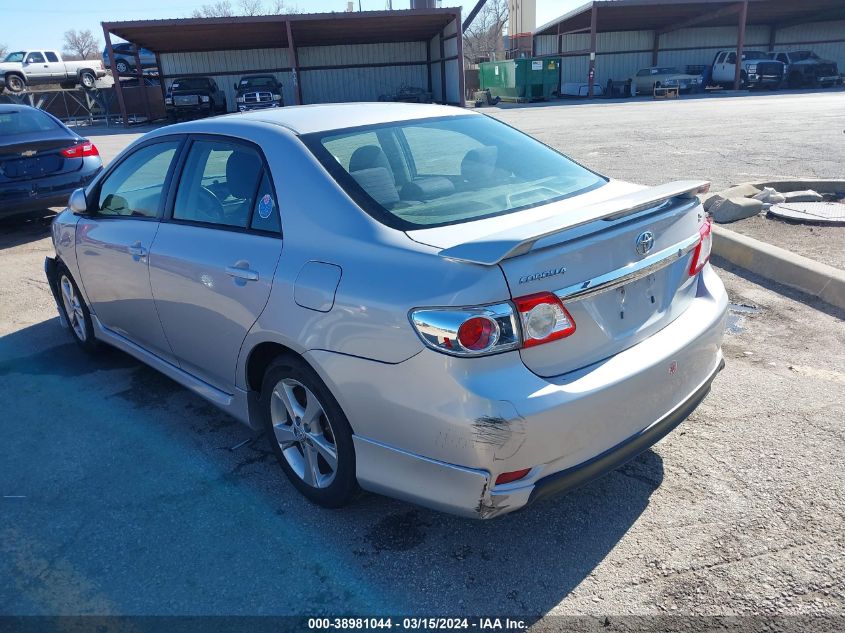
{"points": [[438, 430], [610, 460], [43, 193]]}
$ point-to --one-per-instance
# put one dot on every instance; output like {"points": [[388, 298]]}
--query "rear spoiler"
{"points": [[492, 249]]}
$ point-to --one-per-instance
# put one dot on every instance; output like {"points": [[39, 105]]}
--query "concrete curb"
{"points": [[782, 266]]}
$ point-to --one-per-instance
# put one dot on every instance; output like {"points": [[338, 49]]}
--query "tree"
{"points": [[4, 50], [81, 44], [219, 9], [484, 35], [251, 7], [224, 9]]}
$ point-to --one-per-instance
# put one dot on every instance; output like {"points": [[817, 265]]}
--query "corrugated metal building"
{"points": [[616, 38], [319, 58]]}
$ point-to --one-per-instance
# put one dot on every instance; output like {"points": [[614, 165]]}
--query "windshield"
{"points": [[25, 122], [258, 82], [669, 71], [190, 84], [436, 172], [750, 55], [15, 57]]}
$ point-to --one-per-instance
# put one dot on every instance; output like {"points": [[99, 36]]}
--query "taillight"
{"points": [[701, 254], [543, 319], [80, 151], [475, 331], [483, 330]]}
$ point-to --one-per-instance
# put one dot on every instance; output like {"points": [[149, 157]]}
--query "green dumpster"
{"points": [[520, 80]]}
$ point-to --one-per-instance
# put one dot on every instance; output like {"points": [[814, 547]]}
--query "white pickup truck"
{"points": [[756, 69], [23, 68]]}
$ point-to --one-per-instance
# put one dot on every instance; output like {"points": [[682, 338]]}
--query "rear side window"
{"points": [[265, 215], [134, 188], [51, 57], [219, 184]]}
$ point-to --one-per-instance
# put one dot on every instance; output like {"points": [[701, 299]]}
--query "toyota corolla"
{"points": [[414, 300]]}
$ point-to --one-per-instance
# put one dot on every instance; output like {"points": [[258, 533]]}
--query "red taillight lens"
{"points": [[701, 254], [543, 319], [506, 478], [477, 333], [80, 151]]}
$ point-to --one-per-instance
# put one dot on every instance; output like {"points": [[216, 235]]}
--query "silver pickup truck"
{"points": [[28, 68]]}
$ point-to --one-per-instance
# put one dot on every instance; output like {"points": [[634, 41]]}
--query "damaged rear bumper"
{"points": [[438, 430]]}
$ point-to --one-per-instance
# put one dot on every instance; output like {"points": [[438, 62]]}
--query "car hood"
{"points": [[813, 62], [10, 66]]}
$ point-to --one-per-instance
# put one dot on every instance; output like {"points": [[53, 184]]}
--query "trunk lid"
{"points": [[587, 254], [37, 155]]}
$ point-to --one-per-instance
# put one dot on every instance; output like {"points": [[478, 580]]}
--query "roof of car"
{"points": [[332, 116]]}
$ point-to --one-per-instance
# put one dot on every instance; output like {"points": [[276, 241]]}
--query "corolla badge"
{"points": [[645, 241], [553, 272]]}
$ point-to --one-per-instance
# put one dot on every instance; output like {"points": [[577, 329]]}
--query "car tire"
{"points": [[87, 80], [122, 67], [308, 432], [75, 311], [15, 83]]}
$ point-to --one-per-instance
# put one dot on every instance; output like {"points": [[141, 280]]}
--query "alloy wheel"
{"points": [[73, 308], [304, 433]]}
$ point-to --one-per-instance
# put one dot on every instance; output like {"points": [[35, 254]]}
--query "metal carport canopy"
{"points": [[659, 15], [184, 35], [291, 31]]}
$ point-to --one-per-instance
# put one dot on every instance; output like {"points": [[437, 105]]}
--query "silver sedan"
{"points": [[415, 300]]}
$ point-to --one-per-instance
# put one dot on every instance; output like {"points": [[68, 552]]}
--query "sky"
{"points": [[42, 23]]}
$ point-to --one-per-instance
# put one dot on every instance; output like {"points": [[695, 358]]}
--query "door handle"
{"points": [[137, 251], [242, 272]]}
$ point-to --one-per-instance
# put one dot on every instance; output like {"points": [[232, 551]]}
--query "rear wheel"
{"points": [[76, 313], [308, 432], [122, 67], [87, 79]]}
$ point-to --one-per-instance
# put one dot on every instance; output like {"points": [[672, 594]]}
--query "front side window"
{"points": [[219, 184], [436, 172], [135, 187], [645, 72], [731, 58], [35, 58]]}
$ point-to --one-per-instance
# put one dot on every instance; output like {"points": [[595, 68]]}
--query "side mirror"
{"points": [[77, 202]]}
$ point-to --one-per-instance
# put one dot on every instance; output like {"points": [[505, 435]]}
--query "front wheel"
{"points": [[76, 313], [308, 432], [15, 83], [122, 67]]}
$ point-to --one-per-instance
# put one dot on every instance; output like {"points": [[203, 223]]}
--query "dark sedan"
{"points": [[41, 160]]}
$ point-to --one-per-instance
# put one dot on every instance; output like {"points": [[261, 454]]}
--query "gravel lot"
{"points": [[120, 491]]}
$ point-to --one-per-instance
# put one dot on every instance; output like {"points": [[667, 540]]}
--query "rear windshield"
{"points": [[436, 172], [25, 122]]}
